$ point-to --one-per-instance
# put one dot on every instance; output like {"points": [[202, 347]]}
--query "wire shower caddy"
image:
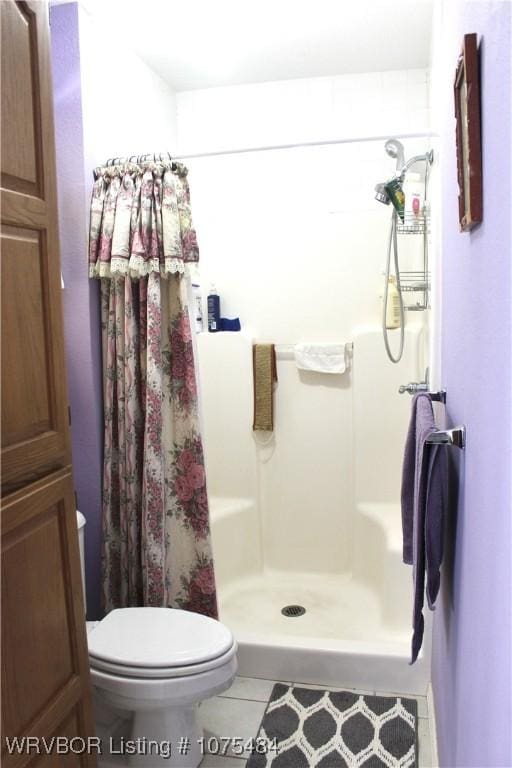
{"points": [[416, 283]]}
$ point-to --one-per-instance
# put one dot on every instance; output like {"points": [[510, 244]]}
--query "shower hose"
{"points": [[393, 246]]}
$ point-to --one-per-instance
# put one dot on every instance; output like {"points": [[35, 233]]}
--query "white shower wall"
{"points": [[285, 233], [295, 244]]}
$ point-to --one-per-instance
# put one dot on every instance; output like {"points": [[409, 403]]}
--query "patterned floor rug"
{"points": [[307, 728]]}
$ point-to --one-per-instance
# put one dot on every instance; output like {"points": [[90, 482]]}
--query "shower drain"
{"points": [[293, 610]]}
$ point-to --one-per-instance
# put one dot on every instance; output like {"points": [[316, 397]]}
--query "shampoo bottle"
{"points": [[393, 305], [213, 310], [197, 307]]}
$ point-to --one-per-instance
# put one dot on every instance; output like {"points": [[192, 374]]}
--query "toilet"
{"points": [[150, 670]]}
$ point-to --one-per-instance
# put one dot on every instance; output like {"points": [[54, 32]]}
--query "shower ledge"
{"points": [[385, 515]]}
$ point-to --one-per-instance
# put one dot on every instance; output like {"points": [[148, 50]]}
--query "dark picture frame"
{"points": [[468, 133]]}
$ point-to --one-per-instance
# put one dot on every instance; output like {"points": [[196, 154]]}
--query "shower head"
{"points": [[395, 149], [381, 195]]}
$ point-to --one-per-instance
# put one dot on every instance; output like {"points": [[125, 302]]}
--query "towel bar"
{"points": [[455, 436], [287, 351], [422, 386]]}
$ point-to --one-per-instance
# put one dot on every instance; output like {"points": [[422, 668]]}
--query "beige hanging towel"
{"points": [[264, 377]]}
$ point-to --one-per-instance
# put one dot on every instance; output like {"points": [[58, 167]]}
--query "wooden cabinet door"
{"points": [[45, 666], [35, 437]]}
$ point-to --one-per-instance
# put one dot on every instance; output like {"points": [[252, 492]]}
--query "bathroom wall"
{"points": [[471, 668], [105, 104], [296, 245], [295, 111], [127, 107]]}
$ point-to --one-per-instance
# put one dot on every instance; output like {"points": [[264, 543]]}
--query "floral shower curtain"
{"points": [[156, 536]]}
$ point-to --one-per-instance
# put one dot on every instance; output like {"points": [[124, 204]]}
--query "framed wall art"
{"points": [[468, 134]]}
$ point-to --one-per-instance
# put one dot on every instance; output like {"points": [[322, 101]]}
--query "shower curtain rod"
{"points": [[327, 142], [158, 156]]}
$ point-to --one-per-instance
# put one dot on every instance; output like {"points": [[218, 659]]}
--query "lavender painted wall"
{"points": [[471, 668], [81, 305]]}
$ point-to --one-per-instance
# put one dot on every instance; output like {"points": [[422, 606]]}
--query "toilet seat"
{"points": [[158, 643], [154, 673]]}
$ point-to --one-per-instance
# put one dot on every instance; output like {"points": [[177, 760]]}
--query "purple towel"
{"points": [[437, 486], [420, 425], [423, 486]]}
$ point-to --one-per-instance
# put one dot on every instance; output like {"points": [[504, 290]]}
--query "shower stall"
{"points": [[306, 523]]}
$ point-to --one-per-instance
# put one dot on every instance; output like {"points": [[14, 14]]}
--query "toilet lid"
{"points": [[158, 637]]}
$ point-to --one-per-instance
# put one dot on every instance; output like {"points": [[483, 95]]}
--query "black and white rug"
{"points": [[307, 728]]}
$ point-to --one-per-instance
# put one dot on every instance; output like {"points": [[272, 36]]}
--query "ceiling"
{"points": [[207, 43]]}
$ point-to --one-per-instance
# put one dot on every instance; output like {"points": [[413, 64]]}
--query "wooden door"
{"points": [[35, 437], [45, 671]]}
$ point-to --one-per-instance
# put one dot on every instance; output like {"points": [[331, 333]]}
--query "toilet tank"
{"points": [[80, 521]]}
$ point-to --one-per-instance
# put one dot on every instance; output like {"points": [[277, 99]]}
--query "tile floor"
{"points": [[239, 711]]}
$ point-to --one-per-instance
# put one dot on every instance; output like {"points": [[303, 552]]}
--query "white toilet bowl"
{"points": [[156, 665]]}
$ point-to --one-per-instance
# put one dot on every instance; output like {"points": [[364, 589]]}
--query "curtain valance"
{"points": [[141, 221]]}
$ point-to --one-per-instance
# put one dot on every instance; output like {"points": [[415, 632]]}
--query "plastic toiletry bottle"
{"points": [[198, 307], [393, 305], [396, 195], [213, 310], [413, 196]]}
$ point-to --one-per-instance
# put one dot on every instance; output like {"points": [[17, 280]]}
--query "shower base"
{"points": [[356, 629], [340, 640]]}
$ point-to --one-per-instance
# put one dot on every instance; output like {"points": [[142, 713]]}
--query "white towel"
{"points": [[322, 358]]}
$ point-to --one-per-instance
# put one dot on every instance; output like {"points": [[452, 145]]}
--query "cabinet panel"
{"points": [[45, 672], [26, 404], [73, 759], [20, 114]]}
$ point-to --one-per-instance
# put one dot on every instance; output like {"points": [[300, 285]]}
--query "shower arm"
{"points": [[427, 158]]}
